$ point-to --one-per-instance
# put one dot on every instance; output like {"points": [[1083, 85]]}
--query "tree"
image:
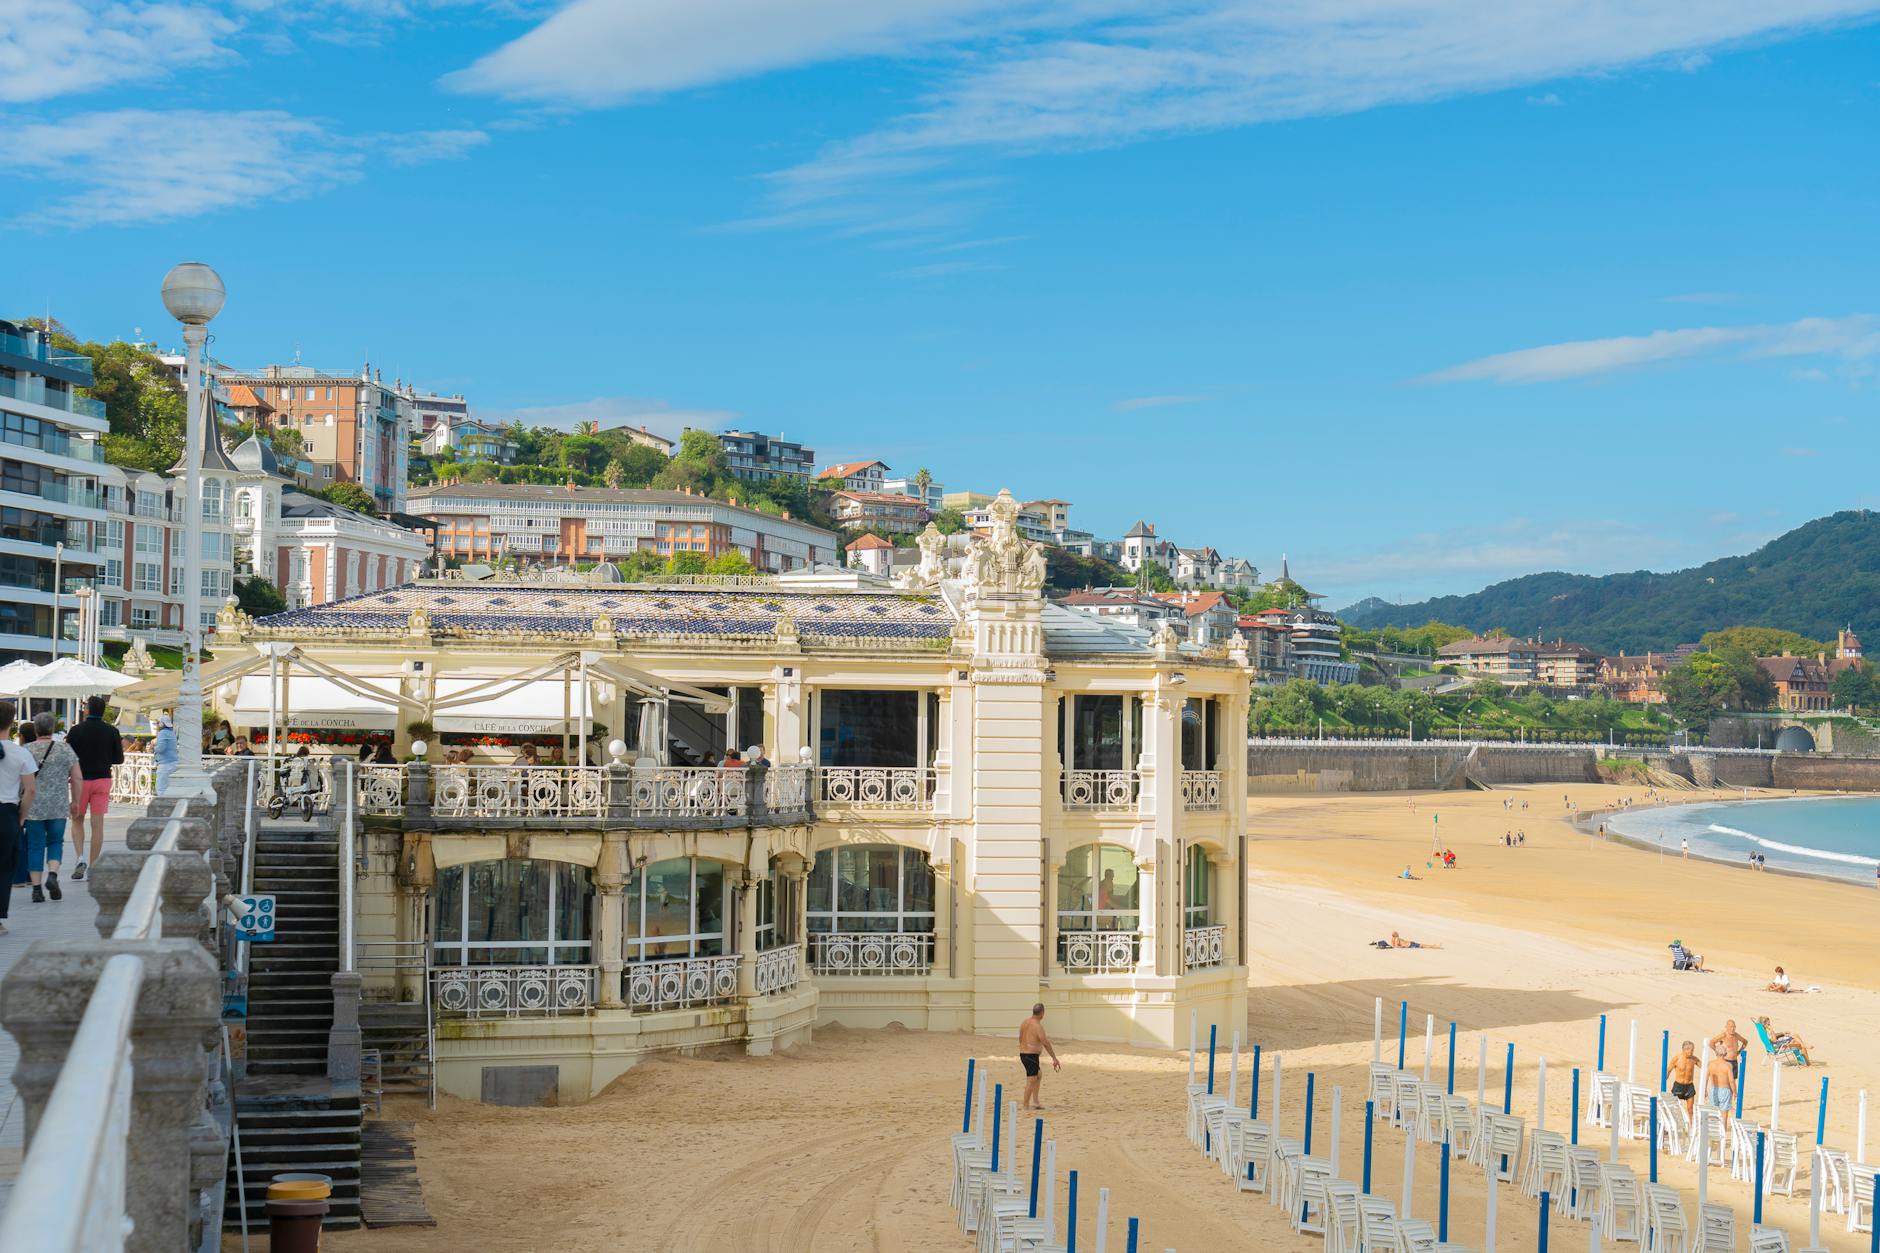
{"points": [[1488, 689], [615, 474], [287, 442], [352, 496], [949, 521], [686, 563], [1763, 641], [1854, 688], [258, 597], [1710, 682], [923, 479], [733, 562], [589, 427]]}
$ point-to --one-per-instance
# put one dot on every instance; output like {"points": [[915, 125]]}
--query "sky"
{"points": [[1421, 294]]}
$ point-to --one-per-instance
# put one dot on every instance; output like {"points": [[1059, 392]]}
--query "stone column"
{"points": [[1223, 867], [609, 920], [418, 794], [619, 792], [42, 1001], [343, 1039], [747, 938], [1158, 809], [795, 875], [943, 740], [1148, 884]]}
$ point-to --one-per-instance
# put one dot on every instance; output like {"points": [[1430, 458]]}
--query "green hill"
{"points": [[1814, 580]]}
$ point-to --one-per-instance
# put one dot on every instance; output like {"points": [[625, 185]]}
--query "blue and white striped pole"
{"points": [[1600, 1064]]}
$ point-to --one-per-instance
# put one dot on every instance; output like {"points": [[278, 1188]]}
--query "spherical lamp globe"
{"points": [[193, 293]]}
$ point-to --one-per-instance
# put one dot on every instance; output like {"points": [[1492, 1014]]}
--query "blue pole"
{"points": [[1037, 1156], [1664, 1058], [1070, 1218], [1403, 1025], [1133, 1233], [1821, 1115], [1654, 1135], [966, 1122], [1212, 1028], [1760, 1137], [1575, 1120], [1309, 1078], [1507, 1092], [1370, 1123], [1742, 1073], [998, 1112], [1600, 1065], [1544, 1208], [1452, 1059], [1442, 1210], [1253, 1109]]}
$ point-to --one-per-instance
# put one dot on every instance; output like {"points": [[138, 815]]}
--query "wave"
{"points": [[1850, 858]]}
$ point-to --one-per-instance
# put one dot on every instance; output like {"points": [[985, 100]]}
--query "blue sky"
{"points": [[1422, 293]]}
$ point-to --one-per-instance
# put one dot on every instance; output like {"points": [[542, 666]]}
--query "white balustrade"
{"points": [[135, 781], [871, 952], [690, 791], [878, 787], [1201, 790], [1203, 947], [519, 792], [786, 789], [1100, 789], [778, 969], [681, 983], [381, 789], [1099, 951], [513, 991], [293, 775]]}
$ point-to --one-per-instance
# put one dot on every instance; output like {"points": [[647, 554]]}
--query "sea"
{"points": [[1835, 837]]}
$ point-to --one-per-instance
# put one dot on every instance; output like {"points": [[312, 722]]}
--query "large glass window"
{"points": [[865, 728], [513, 913], [1198, 889], [1198, 735], [871, 887], [677, 908], [1096, 739], [1097, 889]]}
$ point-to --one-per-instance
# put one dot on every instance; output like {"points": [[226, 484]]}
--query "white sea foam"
{"points": [[1850, 858]]}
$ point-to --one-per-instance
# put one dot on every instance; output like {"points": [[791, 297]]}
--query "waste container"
{"points": [[297, 1205]]}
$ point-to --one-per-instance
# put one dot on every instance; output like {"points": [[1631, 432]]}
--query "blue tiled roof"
{"points": [[470, 608]]}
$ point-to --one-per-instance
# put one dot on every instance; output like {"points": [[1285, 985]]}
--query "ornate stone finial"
{"points": [[419, 623], [230, 616], [603, 625], [138, 662], [785, 630], [1004, 562], [1164, 640], [933, 562]]}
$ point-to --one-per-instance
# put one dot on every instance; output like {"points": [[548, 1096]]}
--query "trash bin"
{"points": [[297, 1205]]}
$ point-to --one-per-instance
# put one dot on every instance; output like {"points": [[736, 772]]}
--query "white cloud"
{"points": [[141, 165], [1156, 402], [1550, 100], [657, 416], [53, 48], [1849, 338]]}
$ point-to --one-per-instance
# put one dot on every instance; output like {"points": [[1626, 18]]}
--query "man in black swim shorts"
{"points": [[1683, 1076], [1031, 1042]]}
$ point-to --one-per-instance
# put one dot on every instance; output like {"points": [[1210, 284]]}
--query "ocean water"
{"points": [[1833, 836]]}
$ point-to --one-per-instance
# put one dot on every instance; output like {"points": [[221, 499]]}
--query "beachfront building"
{"points": [[970, 800], [482, 522]]}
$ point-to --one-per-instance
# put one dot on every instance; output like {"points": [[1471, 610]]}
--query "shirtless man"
{"points": [[1720, 1084], [1727, 1043], [1682, 1075], [1031, 1042]]}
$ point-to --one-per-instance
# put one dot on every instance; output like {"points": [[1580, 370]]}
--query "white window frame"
{"points": [[636, 941], [905, 920], [462, 951]]}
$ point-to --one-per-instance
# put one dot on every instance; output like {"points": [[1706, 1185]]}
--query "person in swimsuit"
{"points": [[1682, 1075], [1727, 1044], [1720, 1079], [1031, 1042], [1397, 941]]}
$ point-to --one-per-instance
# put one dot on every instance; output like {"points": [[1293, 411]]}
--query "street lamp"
{"points": [[193, 294]]}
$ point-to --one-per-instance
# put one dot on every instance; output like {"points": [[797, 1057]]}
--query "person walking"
{"points": [[163, 752], [58, 783], [17, 768], [99, 748], [1032, 1041], [1681, 1075]]}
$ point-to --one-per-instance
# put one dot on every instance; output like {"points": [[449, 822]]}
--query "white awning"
{"points": [[534, 708], [317, 704]]}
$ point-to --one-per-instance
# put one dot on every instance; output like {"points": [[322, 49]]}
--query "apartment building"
{"points": [[1211, 618], [643, 437], [878, 511], [355, 428], [759, 458], [51, 519], [933, 496], [470, 440], [855, 476], [1123, 605], [430, 410], [1032, 523], [486, 521], [1565, 665], [1801, 682]]}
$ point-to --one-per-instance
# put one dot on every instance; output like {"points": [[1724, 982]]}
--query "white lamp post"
{"points": [[193, 294]]}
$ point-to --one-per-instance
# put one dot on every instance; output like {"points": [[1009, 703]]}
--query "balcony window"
{"points": [[677, 908], [1198, 889], [513, 913], [1200, 739], [871, 888], [1097, 889], [870, 728]]}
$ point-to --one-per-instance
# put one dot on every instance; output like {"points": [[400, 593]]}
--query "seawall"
{"points": [[1316, 766]]}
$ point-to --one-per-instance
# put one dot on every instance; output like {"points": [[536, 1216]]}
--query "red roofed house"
{"points": [[856, 476], [1801, 682], [871, 553], [878, 511], [1211, 616]]}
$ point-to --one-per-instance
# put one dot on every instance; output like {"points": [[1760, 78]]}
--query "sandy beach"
{"points": [[841, 1145]]}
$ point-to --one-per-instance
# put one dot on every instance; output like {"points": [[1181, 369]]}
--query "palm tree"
{"points": [[589, 427]]}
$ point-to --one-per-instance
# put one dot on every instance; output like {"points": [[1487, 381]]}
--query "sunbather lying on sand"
{"points": [[1397, 941]]}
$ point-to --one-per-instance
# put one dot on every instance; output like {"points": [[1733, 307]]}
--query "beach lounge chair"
{"points": [[1249, 1155], [1716, 1230], [1341, 1223], [1431, 1099], [1832, 1172], [1498, 1147], [1710, 1122], [1549, 1169], [1781, 1160], [1377, 1224], [1605, 1100], [1665, 1229], [1407, 1099], [1460, 1124], [1621, 1206], [1743, 1149], [1860, 1198], [1684, 959], [1312, 1205], [1674, 1129], [1768, 1240], [1789, 1054], [1635, 1111], [1585, 1190], [1283, 1189], [1415, 1236], [1382, 1091]]}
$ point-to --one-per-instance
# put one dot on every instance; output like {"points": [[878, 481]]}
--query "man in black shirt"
{"points": [[99, 747]]}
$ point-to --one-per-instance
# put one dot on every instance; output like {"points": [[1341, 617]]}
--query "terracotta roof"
{"points": [[1142, 530], [880, 498], [842, 469], [1479, 646], [869, 541], [1192, 603]]}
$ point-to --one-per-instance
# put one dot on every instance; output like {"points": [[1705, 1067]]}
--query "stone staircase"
{"points": [[291, 1117], [402, 1036]]}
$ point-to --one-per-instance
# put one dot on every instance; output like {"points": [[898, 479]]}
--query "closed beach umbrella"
{"points": [[649, 732]]}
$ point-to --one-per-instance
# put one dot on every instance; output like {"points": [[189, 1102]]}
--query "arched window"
{"points": [[513, 913], [1198, 889], [1097, 889], [677, 908], [871, 887]]}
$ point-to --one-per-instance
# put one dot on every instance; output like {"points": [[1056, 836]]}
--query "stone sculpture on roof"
{"points": [[1003, 562]]}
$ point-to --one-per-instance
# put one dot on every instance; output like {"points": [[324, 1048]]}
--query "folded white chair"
{"points": [[1832, 1173], [1782, 1154], [1377, 1224], [1605, 1104], [1665, 1228], [1250, 1147], [1430, 1112], [1709, 1122], [1860, 1198], [1587, 1186], [1341, 1225], [1382, 1089], [1768, 1240], [1716, 1230], [1743, 1149], [1621, 1205], [1460, 1123], [1311, 1211], [1497, 1146], [1407, 1098], [1674, 1129], [1415, 1236]]}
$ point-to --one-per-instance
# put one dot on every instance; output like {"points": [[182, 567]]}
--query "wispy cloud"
{"points": [[143, 165], [659, 416], [52, 48], [1156, 402], [1550, 100], [945, 269], [1850, 338], [1022, 76]]}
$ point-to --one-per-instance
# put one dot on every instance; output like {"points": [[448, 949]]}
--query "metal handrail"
{"points": [[83, 1132]]}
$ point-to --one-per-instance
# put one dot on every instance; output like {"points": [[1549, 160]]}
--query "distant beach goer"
{"points": [[1031, 1042], [1684, 959], [1406, 872], [1397, 941], [1682, 1075], [1780, 983], [1685, 846]]}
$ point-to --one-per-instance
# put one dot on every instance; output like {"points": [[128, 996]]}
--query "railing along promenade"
{"points": [[125, 1105], [1446, 742]]}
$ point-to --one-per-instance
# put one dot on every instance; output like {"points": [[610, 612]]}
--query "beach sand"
{"points": [[841, 1145]]}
